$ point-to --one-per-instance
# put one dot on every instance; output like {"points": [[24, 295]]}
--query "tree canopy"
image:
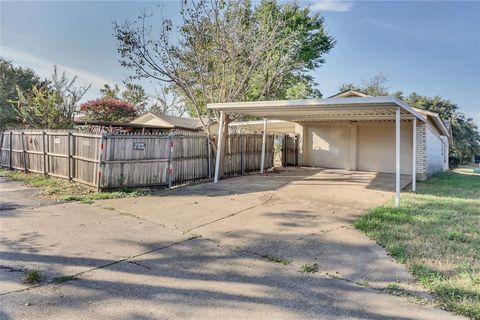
{"points": [[108, 109], [229, 51], [11, 78], [133, 93], [51, 105]]}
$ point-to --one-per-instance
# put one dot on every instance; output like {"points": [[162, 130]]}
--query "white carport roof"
{"points": [[332, 109]]}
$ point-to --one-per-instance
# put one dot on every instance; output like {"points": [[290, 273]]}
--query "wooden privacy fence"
{"points": [[108, 161]]}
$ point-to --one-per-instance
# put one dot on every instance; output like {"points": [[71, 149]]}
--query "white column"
{"points": [[262, 164], [414, 155], [397, 158], [219, 145]]}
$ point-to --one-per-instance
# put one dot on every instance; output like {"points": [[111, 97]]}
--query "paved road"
{"points": [[199, 253]]}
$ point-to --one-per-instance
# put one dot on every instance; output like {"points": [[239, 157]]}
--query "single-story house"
{"points": [[355, 131], [170, 122]]}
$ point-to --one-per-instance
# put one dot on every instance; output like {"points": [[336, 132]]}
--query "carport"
{"points": [[336, 111]]}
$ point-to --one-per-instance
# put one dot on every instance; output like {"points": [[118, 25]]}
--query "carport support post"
{"points": [[414, 155], [219, 145], [397, 158], [264, 140]]}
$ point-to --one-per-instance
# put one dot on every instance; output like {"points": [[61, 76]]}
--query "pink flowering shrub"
{"points": [[108, 109]]}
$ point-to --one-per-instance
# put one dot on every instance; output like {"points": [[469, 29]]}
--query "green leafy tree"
{"points": [[11, 77], [466, 137], [375, 86], [133, 93], [51, 105], [228, 51]]}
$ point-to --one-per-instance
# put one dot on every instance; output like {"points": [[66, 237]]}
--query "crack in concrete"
{"points": [[78, 274], [11, 269], [232, 214], [139, 264]]}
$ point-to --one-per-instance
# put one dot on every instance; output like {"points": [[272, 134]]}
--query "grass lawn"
{"points": [[63, 190], [436, 233]]}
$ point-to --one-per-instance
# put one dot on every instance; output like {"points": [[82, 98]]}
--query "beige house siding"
{"points": [[363, 145], [376, 146], [328, 146]]}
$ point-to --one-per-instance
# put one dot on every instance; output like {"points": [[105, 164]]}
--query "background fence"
{"points": [[129, 160]]}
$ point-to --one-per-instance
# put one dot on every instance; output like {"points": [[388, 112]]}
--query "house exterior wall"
{"points": [[421, 158], [376, 146], [435, 150], [362, 145], [328, 145]]}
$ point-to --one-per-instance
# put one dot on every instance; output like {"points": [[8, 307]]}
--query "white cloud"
{"points": [[44, 68], [332, 5]]}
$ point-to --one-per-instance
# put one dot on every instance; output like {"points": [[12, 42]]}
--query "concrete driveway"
{"points": [[205, 251]]}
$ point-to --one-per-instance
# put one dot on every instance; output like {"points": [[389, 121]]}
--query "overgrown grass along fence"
{"points": [[111, 161]]}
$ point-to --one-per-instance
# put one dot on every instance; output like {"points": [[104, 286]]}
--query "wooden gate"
{"points": [[289, 150]]}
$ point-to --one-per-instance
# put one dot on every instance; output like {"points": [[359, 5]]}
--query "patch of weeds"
{"points": [[64, 279], [309, 268], [363, 283], [32, 276], [60, 189], [426, 275], [275, 259], [456, 235], [195, 236]]}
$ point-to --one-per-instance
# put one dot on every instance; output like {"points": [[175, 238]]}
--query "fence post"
{"points": [[44, 149], [11, 150], [99, 167], [170, 159], [242, 154], [1, 142], [22, 136], [69, 151], [209, 154], [295, 151]]}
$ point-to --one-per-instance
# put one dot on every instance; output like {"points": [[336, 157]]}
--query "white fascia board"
{"points": [[353, 103], [255, 122]]}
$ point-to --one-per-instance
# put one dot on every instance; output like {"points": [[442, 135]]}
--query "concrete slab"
{"points": [[16, 195], [199, 280], [65, 239], [135, 258]]}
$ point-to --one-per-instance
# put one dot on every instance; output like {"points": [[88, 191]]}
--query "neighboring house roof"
{"points": [[170, 122], [349, 94]]}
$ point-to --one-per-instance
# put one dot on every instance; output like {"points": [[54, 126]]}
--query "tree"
{"points": [[167, 101], [51, 105], [108, 109], [374, 86], [466, 137], [11, 77], [133, 93], [227, 51]]}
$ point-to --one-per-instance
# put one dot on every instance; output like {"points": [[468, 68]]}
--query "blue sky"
{"points": [[431, 47]]}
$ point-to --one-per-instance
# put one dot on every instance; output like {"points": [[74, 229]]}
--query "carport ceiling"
{"points": [[333, 109]]}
